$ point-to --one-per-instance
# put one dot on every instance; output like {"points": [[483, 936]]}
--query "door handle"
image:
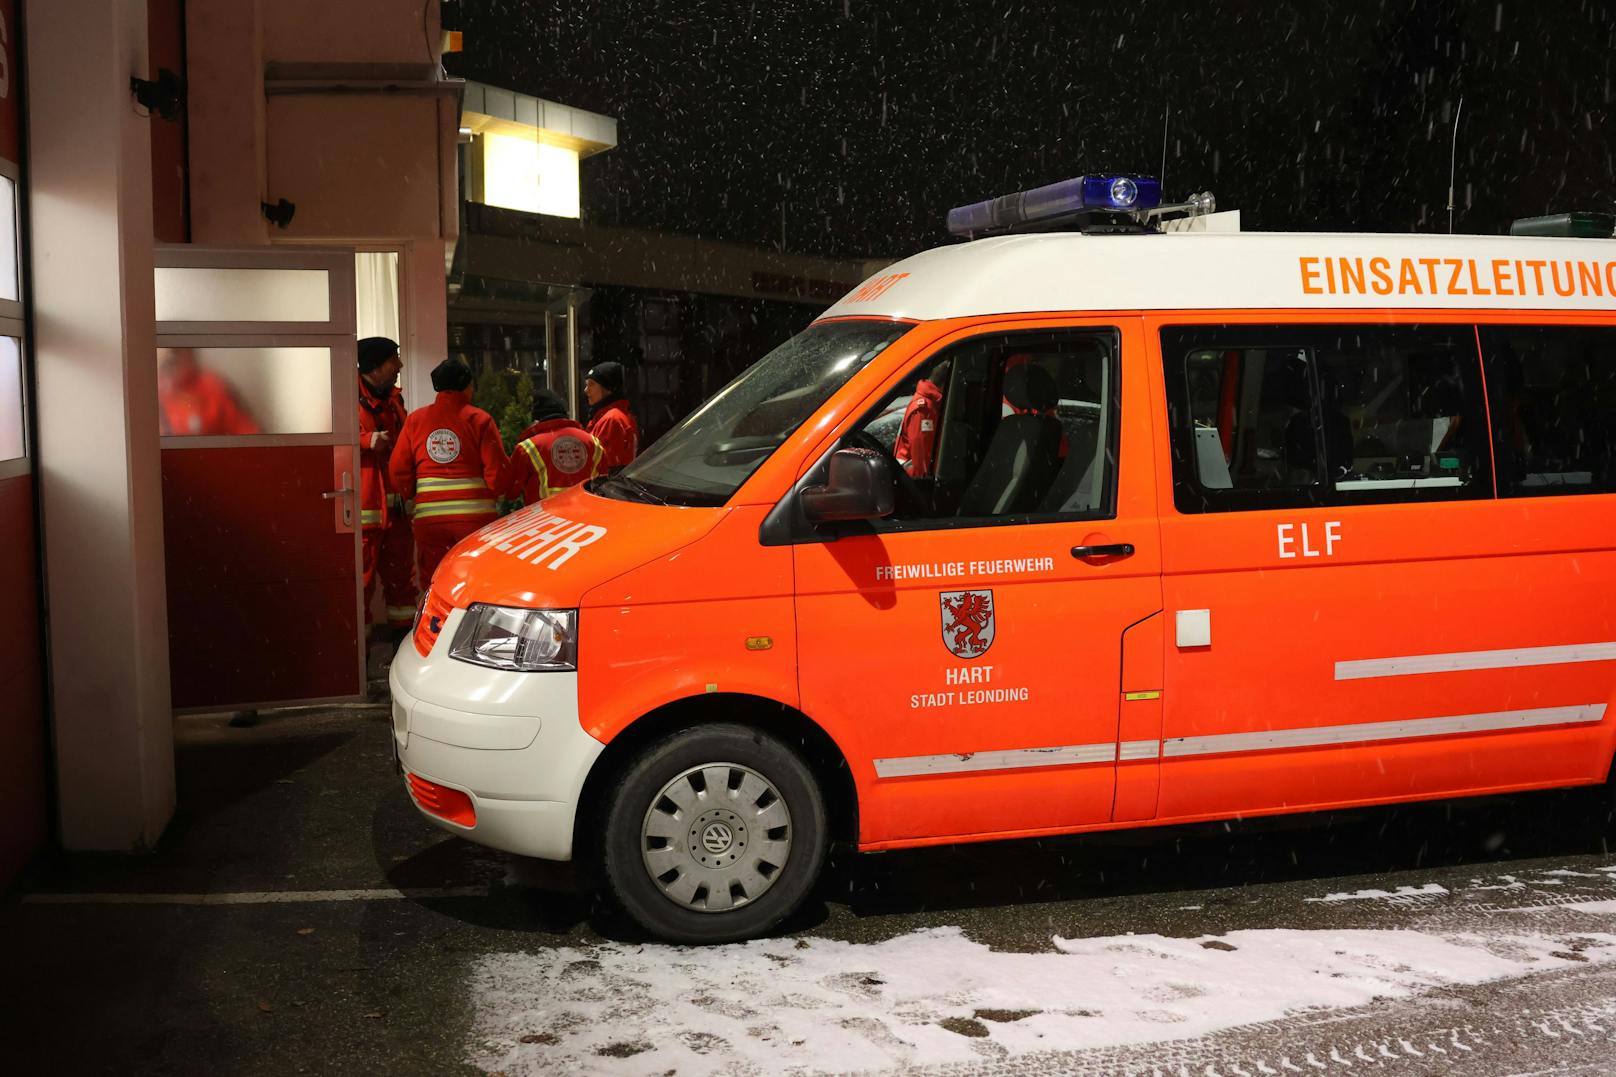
{"points": [[344, 490], [1115, 549]]}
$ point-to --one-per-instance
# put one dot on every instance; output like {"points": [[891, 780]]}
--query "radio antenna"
{"points": [[1162, 175], [1453, 158]]}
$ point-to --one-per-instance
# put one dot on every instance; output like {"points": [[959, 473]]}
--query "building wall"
{"points": [[106, 180], [165, 38], [91, 310], [24, 817], [353, 31], [337, 108], [528, 247]]}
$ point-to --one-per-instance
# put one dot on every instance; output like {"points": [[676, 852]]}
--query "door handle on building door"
{"points": [[1115, 549], [344, 491], [344, 496]]}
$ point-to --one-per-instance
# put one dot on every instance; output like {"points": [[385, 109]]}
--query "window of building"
{"points": [[236, 391], [1292, 416], [229, 294], [13, 439], [1002, 428], [9, 283], [13, 370], [1552, 391]]}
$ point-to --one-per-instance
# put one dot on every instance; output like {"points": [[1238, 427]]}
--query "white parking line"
{"points": [[258, 897]]}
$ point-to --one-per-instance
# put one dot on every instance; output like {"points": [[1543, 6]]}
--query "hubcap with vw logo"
{"points": [[716, 837]]}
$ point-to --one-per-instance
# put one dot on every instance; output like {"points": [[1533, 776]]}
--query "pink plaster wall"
{"points": [[352, 31], [90, 206], [225, 112], [358, 167]]}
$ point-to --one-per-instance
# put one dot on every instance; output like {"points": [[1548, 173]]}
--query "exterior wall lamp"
{"points": [[163, 96], [279, 213]]}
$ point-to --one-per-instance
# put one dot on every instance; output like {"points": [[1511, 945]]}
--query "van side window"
{"points": [[1003, 427], [1552, 392], [1266, 416]]}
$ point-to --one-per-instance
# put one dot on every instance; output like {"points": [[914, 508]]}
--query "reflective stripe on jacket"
{"points": [[452, 497]]}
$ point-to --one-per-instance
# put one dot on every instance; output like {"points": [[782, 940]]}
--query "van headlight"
{"points": [[527, 641]]}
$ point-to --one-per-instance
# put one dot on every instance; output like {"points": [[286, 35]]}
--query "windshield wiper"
{"points": [[638, 490]]}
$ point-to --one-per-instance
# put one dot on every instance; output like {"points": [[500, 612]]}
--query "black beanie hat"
{"points": [[374, 351], [547, 405], [451, 375], [608, 376]]}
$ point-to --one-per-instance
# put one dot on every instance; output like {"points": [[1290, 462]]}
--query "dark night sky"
{"points": [[869, 122]]}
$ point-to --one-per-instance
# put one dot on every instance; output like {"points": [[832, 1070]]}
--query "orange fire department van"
{"points": [[1205, 525]]}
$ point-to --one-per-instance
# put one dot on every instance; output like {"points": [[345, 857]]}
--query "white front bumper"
{"points": [[510, 741]]}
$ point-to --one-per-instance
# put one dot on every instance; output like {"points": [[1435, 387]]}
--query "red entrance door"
{"points": [[260, 462]]}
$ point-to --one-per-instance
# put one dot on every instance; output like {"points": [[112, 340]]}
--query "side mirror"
{"points": [[859, 487]]}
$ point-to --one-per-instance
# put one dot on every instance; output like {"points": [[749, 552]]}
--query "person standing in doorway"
{"points": [[610, 418], [387, 543], [448, 460], [552, 454]]}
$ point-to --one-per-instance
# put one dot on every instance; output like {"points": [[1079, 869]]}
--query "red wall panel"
{"points": [[10, 83], [23, 818], [261, 587]]}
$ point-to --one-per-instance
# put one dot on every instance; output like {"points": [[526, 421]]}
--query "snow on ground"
{"points": [[1427, 890], [935, 996]]}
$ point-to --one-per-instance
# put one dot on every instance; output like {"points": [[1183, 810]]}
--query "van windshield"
{"points": [[706, 457]]}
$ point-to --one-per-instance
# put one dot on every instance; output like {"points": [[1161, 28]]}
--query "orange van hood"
{"points": [[548, 556]]}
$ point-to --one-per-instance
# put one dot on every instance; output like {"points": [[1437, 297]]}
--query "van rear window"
{"points": [[1552, 390], [1274, 416]]}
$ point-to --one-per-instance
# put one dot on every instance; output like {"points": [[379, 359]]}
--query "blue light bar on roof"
{"points": [[1108, 192]]}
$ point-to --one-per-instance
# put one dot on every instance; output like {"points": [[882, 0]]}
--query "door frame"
{"points": [[335, 333]]}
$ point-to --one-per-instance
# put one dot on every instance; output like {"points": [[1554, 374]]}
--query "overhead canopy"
{"points": [[491, 109]]}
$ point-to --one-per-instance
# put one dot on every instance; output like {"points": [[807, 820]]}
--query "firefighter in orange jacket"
{"points": [[449, 460], [610, 419], [552, 454], [387, 545]]}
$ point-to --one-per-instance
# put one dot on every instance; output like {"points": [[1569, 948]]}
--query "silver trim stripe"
{"points": [[1139, 749], [1463, 660], [1012, 759], [1221, 743], [1359, 732]]}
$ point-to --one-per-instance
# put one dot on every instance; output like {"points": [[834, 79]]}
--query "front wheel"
{"points": [[714, 834]]}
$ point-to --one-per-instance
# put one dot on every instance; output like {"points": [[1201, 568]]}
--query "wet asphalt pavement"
{"points": [[299, 917]]}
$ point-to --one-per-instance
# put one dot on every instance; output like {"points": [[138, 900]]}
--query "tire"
{"points": [[691, 866]]}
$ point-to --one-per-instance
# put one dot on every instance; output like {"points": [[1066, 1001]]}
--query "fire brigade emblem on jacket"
{"points": [[967, 622], [569, 454], [443, 445]]}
